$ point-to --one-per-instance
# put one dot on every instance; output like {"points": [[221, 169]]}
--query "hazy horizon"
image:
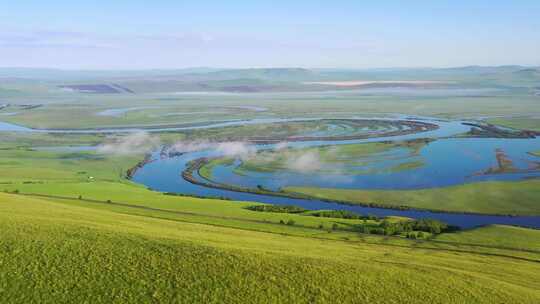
{"points": [[131, 35], [210, 68]]}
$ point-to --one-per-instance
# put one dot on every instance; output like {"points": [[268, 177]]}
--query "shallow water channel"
{"points": [[447, 161]]}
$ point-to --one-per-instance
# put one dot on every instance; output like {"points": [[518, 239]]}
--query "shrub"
{"points": [[380, 231], [276, 208], [411, 235], [337, 214]]}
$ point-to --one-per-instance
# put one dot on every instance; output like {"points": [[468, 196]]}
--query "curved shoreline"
{"points": [[415, 127], [197, 164], [191, 183]]}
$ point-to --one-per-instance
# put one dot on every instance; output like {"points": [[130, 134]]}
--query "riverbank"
{"points": [[496, 198], [420, 200]]}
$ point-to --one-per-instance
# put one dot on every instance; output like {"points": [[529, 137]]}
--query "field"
{"points": [[75, 228], [65, 228], [209, 263], [76, 111], [346, 159], [497, 235], [43, 103], [517, 198], [518, 123]]}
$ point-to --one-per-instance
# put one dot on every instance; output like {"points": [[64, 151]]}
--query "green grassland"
{"points": [[195, 96], [27, 165], [517, 198], [497, 235], [72, 252], [523, 123], [345, 159], [74, 110], [29, 140], [206, 171], [73, 229], [101, 177], [65, 237]]}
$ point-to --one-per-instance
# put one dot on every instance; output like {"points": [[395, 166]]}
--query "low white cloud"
{"points": [[230, 149], [305, 162], [236, 149], [191, 146], [134, 143]]}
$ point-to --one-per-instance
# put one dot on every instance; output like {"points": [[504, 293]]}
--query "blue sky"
{"points": [[135, 34]]}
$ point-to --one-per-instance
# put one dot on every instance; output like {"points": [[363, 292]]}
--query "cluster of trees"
{"points": [[342, 214], [416, 229], [290, 222], [412, 229], [277, 208]]}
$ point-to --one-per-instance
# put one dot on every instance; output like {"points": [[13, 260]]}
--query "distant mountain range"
{"points": [[258, 73], [203, 79]]}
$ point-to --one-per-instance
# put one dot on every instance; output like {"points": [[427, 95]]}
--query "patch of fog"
{"points": [[133, 143], [304, 162], [228, 149]]}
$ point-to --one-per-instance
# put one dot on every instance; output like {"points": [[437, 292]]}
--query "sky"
{"points": [[162, 34]]}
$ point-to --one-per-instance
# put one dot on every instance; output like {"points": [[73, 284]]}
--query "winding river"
{"points": [[447, 164], [449, 161]]}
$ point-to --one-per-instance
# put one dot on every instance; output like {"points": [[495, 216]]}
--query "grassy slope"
{"points": [[76, 253], [67, 174], [497, 235], [486, 197], [22, 164], [203, 250]]}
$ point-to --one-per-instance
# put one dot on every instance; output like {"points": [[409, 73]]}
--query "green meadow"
{"points": [[497, 235], [76, 252], [513, 198], [521, 123], [66, 237], [74, 229]]}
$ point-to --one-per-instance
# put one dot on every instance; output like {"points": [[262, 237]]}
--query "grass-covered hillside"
{"points": [[54, 251], [67, 238]]}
